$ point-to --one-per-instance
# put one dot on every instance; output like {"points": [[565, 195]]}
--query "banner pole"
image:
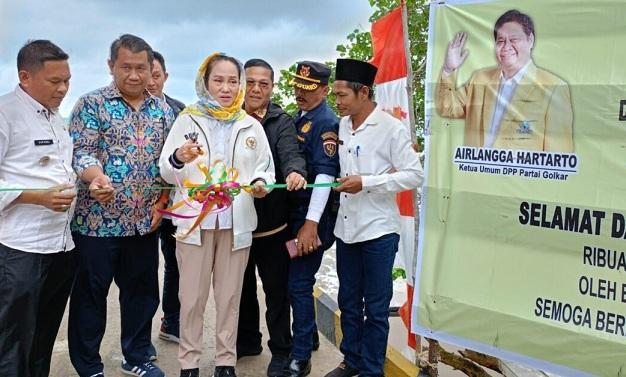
{"points": [[409, 93]]}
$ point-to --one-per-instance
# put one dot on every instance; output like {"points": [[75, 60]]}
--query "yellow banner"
{"points": [[523, 240]]}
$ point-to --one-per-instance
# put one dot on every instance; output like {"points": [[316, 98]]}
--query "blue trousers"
{"points": [[365, 291], [302, 272], [132, 262]]}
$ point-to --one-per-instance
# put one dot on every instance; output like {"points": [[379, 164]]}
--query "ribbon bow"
{"points": [[215, 194]]}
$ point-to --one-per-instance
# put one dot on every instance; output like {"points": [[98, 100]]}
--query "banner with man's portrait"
{"points": [[522, 246]]}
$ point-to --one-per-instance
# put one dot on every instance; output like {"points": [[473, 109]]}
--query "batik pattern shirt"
{"points": [[126, 144]]}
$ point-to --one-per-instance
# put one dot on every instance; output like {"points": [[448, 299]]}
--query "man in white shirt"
{"points": [[377, 160], [37, 267]]}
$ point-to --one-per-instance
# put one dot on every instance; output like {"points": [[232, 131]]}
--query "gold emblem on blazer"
{"points": [[251, 142]]}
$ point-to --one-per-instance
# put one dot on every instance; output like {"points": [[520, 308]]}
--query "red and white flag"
{"points": [[391, 95]]}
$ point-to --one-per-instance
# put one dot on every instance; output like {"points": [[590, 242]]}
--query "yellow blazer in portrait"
{"points": [[538, 117]]}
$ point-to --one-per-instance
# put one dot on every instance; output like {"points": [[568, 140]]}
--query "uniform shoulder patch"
{"points": [[329, 140], [330, 135]]}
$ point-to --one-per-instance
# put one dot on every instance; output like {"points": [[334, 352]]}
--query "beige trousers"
{"points": [[196, 264]]}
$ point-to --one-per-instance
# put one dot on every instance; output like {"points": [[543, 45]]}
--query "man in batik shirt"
{"points": [[118, 133]]}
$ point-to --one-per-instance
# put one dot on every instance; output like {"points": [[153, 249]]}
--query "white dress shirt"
{"points": [[506, 89], [380, 151], [35, 152]]}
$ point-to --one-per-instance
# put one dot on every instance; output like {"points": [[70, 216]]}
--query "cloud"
{"points": [[185, 31]]}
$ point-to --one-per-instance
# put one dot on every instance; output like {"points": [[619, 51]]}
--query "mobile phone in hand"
{"points": [[292, 248]]}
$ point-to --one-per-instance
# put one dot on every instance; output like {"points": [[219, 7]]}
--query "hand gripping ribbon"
{"points": [[215, 194]]}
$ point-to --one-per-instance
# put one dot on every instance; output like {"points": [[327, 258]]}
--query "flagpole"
{"points": [[409, 92], [409, 69]]}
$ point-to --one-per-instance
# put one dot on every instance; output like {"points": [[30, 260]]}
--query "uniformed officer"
{"points": [[313, 211]]}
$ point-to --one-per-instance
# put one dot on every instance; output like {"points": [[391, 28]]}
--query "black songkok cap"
{"points": [[355, 71]]}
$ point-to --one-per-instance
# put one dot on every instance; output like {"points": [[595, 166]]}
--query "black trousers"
{"points": [[132, 262], [268, 254], [170, 303], [33, 294]]}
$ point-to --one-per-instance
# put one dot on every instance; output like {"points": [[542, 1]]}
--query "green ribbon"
{"points": [[271, 186], [310, 185]]}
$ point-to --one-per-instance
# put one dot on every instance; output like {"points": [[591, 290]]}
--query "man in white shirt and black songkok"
{"points": [[376, 160], [37, 266]]}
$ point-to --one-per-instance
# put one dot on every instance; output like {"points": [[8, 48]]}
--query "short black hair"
{"points": [[35, 53], [356, 86], [158, 57], [259, 63], [132, 43], [514, 15]]}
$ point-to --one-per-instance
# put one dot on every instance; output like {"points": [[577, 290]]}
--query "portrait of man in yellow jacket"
{"points": [[515, 105]]}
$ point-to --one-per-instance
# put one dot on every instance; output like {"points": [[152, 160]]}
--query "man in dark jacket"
{"points": [[170, 304], [269, 253]]}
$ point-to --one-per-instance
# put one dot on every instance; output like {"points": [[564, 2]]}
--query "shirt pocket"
{"points": [[366, 162], [45, 155]]}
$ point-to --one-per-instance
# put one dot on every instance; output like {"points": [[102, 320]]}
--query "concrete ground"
{"points": [[323, 360], [327, 281]]}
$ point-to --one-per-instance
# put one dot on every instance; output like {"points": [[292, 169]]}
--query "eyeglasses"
{"points": [[263, 85]]}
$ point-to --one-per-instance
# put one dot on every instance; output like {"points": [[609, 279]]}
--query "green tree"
{"points": [[359, 46], [283, 92]]}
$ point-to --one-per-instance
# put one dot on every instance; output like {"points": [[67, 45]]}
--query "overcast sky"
{"points": [[184, 31]]}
